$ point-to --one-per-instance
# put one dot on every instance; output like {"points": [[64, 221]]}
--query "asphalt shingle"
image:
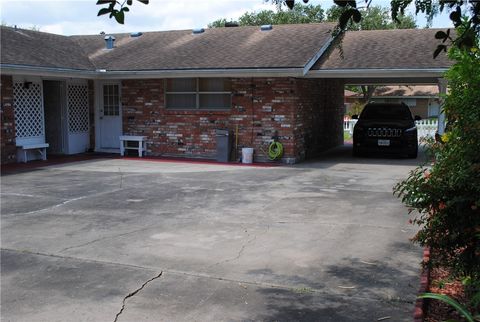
{"points": [[40, 49], [285, 46], [385, 49]]}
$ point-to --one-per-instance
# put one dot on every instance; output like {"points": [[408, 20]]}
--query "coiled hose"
{"points": [[275, 150]]}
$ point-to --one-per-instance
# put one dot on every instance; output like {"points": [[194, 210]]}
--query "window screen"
{"points": [[111, 100], [198, 93]]}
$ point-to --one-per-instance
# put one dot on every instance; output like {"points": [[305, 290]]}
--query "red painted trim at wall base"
{"points": [[420, 304]]}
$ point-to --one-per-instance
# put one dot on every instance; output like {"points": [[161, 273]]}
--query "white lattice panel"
{"points": [[77, 96], [28, 106]]}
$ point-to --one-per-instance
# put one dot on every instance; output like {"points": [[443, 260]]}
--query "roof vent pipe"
{"points": [[109, 40], [136, 34], [198, 31], [266, 27]]}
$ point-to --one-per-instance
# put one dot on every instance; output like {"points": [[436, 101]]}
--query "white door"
{"points": [[110, 117], [78, 137]]}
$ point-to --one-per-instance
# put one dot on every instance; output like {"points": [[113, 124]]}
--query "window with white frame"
{"points": [[198, 93], [111, 100]]}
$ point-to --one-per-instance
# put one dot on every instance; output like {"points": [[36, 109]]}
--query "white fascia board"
{"points": [[317, 56], [372, 73], [146, 74], [8, 69], [45, 71]]}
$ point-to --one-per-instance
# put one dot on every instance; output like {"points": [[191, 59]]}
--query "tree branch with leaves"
{"points": [[116, 9]]}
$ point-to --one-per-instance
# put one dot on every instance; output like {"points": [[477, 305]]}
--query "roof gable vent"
{"points": [[266, 27], [136, 34], [109, 41], [198, 31]]}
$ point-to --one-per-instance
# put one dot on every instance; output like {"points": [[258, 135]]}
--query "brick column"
{"points": [[7, 121]]}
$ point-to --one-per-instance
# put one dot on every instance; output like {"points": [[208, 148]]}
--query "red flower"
{"points": [[442, 205], [426, 174]]}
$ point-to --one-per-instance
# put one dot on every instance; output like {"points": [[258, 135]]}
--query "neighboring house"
{"points": [[423, 100], [81, 93]]}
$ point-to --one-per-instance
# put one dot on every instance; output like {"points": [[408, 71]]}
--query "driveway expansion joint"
{"points": [[65, 202], [86, 260], [104, 238], [134, 293]]}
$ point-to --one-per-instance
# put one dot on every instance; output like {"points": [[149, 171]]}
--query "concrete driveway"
{"points": [[128, 240]]}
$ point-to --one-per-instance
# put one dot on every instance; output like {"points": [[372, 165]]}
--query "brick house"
{"points": [[423, 100], [80, 93]]}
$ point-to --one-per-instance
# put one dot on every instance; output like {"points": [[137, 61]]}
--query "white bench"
{"points": [[141, 146], [22, 150]]}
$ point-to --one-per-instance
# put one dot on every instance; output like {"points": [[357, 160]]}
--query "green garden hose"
{"points": [[275, 150]]}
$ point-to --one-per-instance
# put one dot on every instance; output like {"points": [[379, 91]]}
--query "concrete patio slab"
{"points": [[320, 241]]}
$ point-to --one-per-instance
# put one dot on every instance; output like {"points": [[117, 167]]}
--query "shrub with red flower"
{"points": [[444, 196]]}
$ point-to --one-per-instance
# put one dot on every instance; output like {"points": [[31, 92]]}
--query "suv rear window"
{"points": [[386, 112]]}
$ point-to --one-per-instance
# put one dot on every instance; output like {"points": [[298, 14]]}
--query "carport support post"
{"points": [[442, 89]]}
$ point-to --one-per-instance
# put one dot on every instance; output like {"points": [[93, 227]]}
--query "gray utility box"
{"points": [[224, 144]]}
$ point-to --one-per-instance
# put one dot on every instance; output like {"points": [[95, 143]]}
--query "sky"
{"points": [[72, 17]]}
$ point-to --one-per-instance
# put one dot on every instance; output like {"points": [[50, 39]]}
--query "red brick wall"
{"points": [[319, 116], [261, 108], [7, 121]]}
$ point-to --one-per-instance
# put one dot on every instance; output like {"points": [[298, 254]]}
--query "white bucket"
{"points": [[247, 155]]}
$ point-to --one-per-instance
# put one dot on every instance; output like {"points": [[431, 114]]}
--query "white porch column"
{"points": [[442, 89]]}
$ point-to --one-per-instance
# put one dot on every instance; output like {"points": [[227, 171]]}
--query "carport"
{"points": [[381, 57]]}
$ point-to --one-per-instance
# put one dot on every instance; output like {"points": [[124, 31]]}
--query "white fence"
{"points": [[425, 128]]}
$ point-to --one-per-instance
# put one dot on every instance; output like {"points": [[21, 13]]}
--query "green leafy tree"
{"points": [[219, 23], [374, 18], [299, 14]]}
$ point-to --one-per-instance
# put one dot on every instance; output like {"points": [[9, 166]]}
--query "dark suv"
{"points": [[386, 128]]}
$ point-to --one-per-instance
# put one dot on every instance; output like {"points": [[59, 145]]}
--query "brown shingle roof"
{"points": [[285, 46], [40, 49], [378, 49]]}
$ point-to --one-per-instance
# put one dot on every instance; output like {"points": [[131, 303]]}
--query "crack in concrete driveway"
{"points": [[133, 294]]}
